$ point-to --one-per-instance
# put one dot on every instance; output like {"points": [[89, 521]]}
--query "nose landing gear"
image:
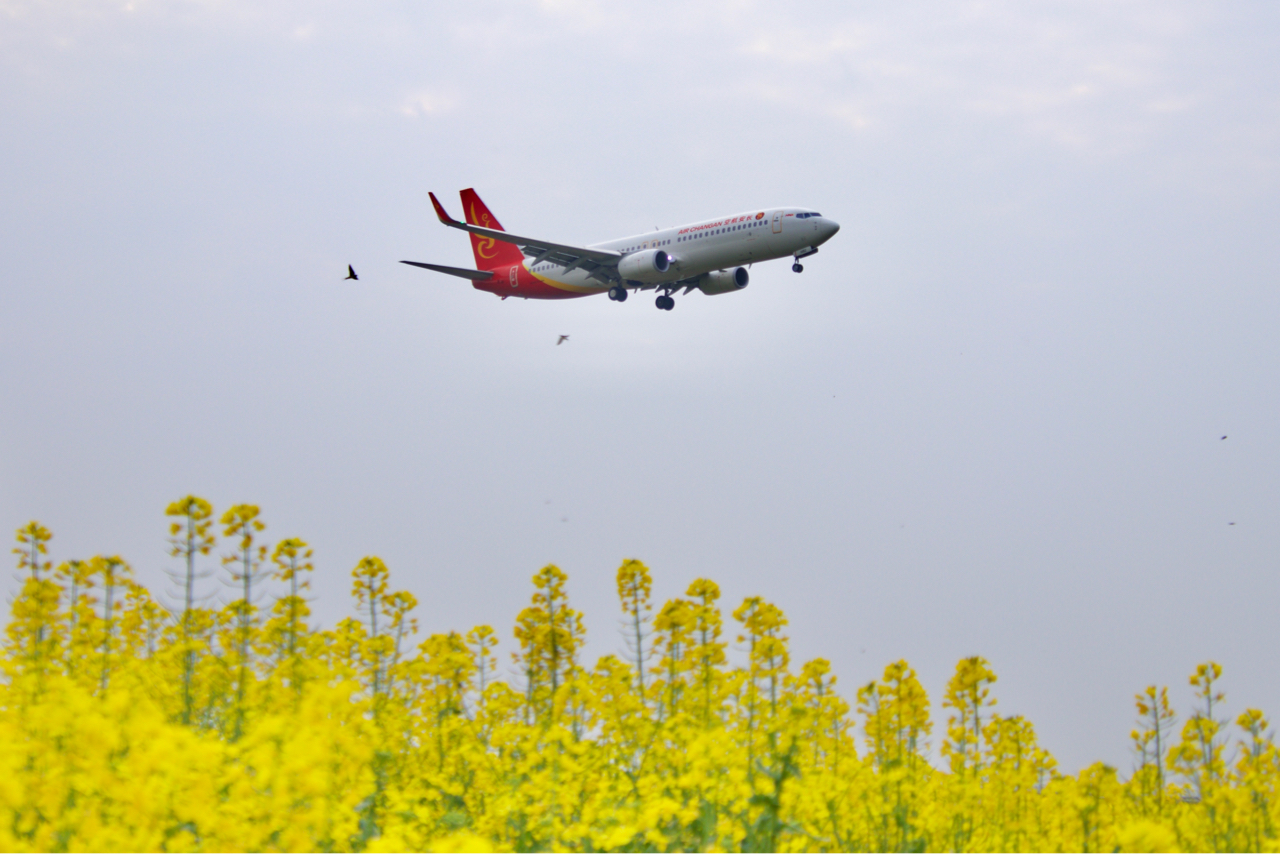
{"points": [[617, 293], [665, 302], [797, 267]]}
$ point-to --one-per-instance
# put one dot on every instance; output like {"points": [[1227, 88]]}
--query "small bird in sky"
{"points": [[563, 338], [351, 274], [1231, 523], [1222, 439]]}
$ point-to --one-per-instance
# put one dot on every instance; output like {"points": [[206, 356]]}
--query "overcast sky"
{"points": [[985, 420]]}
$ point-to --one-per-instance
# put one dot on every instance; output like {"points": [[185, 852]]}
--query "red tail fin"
{"points": [[490, 254]]}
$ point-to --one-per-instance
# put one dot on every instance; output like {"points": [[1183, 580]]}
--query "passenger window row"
{"points": [[755, 224], [652, 245]]}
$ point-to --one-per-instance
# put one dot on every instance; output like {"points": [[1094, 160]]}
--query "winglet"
{"points": [[444, 217]]}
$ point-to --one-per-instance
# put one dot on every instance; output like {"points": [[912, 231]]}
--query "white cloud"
{"points": [[1097, 80], [424, 103]]}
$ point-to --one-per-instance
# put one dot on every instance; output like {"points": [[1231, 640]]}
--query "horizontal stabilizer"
{"points": [[474, 275]]}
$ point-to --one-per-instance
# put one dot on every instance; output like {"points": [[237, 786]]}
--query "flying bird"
{"points": [[351, 274], [563, 338], [1223, 438]]}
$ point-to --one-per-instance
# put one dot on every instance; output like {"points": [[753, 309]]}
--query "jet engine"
{"points": [[647, 266], [723, 281]]}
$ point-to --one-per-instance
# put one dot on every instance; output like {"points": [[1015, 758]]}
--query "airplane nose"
{"points": [[829, 229]]}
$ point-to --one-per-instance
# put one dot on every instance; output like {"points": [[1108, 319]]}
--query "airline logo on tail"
{"points": [[490, 254], [483, 247]]}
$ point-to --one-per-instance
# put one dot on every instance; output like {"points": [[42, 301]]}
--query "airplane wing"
{"points": [[600, 263], [474, 275]]}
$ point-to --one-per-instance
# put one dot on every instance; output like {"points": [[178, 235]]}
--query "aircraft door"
{"points": [[777, 222]]}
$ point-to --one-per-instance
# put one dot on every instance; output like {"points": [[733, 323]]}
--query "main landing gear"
{"points": [[665, 302], [797, 267], [617, 293]]}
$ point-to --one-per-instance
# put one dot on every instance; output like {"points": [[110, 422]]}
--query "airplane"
{"points": [[706, 256]]}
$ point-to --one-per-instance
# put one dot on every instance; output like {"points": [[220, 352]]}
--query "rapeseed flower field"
{"points": [[127, 725]]}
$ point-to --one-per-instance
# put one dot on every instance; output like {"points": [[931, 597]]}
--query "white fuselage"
{"points": [[702, 247]]}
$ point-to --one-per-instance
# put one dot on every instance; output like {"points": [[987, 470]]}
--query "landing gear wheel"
{"points": [[665, 303], [617, 293], [797, 267]]}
